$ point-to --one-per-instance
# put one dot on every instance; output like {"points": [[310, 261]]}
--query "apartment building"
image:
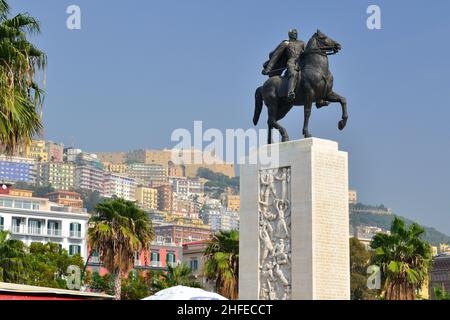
{"points": [[147, 198], [32, 219], [17, 169], [59, 175], [121, 186]]}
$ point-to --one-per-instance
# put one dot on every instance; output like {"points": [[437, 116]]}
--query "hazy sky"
{"points": [[137, 70]]}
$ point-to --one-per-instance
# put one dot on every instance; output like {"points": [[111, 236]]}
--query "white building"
{"points": [[187, 187], [39, 220], [119, 186], [71, 154], [220, 219], [89, 178]]}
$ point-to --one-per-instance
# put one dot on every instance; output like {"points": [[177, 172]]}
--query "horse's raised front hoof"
{"points": [[285, 139], [342, 124]]}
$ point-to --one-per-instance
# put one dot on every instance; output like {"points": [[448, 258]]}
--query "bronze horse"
{"points": [[315, 85]]}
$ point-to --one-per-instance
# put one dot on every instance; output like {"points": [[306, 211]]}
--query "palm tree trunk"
{"points": [[118, 286]]}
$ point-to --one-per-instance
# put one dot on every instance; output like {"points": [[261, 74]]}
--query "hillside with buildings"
{"points": [[367, 220], [49, 191]]}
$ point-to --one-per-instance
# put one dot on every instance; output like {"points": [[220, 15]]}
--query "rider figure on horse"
{"points": [[287, 56]]}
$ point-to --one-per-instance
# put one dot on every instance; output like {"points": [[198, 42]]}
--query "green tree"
{"points": [[37, 265], [136, 286], [90, 198], [360, 259], [222, 263], [404, 260], [180, 275], [20, 95], [118, 230], [441, 293], [13, 263], [47, 265]]}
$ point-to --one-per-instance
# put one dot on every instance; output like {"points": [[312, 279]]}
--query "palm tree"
{"points": [[20, 95], [403, 258], [13, 262], [222, 263], [117, 232]]}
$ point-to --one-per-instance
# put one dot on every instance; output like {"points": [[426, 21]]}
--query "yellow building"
{"points": [[434, 251], [147, 198], [115, 167], [444, 248], [21, 193], [233, 202], [36, 150]]}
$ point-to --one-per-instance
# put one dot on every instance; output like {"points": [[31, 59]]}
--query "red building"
{"points": [[160, 256]]}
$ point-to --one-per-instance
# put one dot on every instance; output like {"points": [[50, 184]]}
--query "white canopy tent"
{"points": [[185, 293]]}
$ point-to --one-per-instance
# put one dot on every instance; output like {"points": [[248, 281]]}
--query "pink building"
{"points": [[160, 256]]}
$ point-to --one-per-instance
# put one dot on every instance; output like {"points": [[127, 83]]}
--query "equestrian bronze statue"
{"points": [[307, 80]]}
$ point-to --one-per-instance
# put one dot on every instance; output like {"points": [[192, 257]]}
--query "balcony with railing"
{"points": [[34, 230], [16, 229], [53, 232], [75, 234]]}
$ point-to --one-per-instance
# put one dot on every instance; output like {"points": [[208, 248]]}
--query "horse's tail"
{"points": [[258, 105]]}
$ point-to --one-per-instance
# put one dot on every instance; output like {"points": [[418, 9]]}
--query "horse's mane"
{"points": [[310, 42]]}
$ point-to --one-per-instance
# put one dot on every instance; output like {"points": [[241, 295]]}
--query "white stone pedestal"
{"points": [[294, 224]]}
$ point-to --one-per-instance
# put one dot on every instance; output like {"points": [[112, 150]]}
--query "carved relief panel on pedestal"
{"points": [[275, 272]]}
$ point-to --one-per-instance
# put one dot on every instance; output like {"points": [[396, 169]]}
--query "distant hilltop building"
{"points": [[352, 196], [112, 157], [363, 208], [164, 158]]}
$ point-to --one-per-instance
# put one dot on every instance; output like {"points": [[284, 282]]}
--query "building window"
{"points": [[2, 223], [193, 265], [170, 259], [75, 230], [155, 256], [53, 228], [74, 249], [34, 226]]}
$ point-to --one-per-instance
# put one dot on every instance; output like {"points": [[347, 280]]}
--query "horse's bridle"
{"points": [[324, 51]]}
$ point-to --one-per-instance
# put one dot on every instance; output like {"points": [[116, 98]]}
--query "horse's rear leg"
{"points": [[334, 97]]}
